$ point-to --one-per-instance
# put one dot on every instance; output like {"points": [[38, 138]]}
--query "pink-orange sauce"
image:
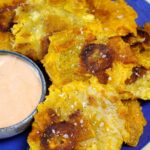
{"points": [[20, 90]]}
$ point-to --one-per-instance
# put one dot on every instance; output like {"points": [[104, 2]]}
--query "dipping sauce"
{"points": [[20, 90]]}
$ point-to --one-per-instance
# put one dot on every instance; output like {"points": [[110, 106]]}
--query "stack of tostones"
{"points": [[98, 61]]}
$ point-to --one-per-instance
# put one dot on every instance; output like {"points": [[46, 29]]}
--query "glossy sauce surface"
{"points": [[20, 90]]}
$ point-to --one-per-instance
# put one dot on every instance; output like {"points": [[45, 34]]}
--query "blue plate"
{"points": [[20, 142]]}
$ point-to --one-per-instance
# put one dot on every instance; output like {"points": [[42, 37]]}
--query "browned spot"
{"points": [[142, 37], [90, 38], [92, 101], [122, 50], [83, 128], [7, 14], [6, 20], [52, 115], [31, 54], [44, 45], [102, 77], [128, 38], [145, 37], [64, 46], [12, 5], [7, 8], [95, 59], [59, 136], [47, 117], [65, 135], [137, 72], [138, 46], [75, 115]]}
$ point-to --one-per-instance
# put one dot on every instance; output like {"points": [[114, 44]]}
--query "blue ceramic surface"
{"points": [[19, 142]]}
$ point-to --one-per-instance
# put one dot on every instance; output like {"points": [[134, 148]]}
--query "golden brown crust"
{"points": [[123, 52], [134, 121], [5, 40]]}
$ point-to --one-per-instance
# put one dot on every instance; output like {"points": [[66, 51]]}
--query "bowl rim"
{"points": [[43, 84]]}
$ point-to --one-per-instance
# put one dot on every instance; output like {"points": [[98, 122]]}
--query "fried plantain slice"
{"points": [[113, 61], [80, 115], [62, 62]]}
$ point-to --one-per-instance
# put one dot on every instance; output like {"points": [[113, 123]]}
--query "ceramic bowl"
{"points": [[21, 126]]}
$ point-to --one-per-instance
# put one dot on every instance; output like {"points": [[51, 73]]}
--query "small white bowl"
{"points": [[21, 126]]}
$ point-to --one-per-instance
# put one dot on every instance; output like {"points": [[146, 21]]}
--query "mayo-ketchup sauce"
{"points": [[20, 90]]}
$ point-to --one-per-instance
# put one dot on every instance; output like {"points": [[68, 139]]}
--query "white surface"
{"points": [[148, 1], [147, 147]]}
